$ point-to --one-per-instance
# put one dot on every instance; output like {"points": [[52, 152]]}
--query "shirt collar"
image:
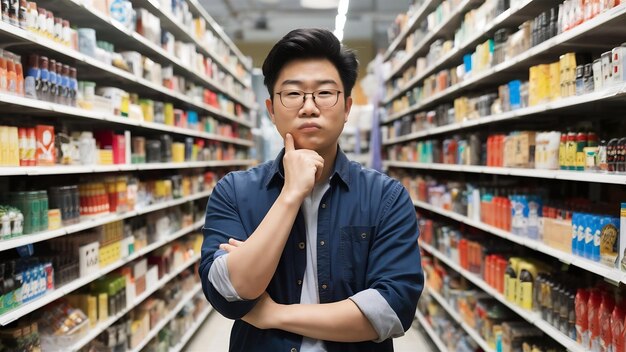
{"points": [[341, 170]]}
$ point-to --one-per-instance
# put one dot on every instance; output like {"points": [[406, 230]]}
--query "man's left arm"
{"points": [[386, 309]]}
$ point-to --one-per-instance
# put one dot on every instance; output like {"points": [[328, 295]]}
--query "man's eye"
{"points": [[293, 94], [324, 93]]}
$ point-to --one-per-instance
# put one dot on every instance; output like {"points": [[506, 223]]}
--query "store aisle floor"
{"points": [[213, 336]]}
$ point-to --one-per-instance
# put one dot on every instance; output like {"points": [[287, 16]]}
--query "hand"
{"points": [[231, 245], [303, 167], [264, 314]]}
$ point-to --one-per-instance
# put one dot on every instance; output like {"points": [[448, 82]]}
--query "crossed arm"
{"points": [[340, 321]]}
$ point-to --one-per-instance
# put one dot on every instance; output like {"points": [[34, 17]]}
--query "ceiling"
{"points": [[269, 20]]}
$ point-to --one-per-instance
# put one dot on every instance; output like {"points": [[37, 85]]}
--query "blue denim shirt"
{"points": [[368, 222]]}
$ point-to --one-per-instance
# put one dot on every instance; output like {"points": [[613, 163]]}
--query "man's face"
{"points": [[312, 127]]}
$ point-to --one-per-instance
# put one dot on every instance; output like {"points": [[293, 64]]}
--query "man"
{"points": [[311, 252]]}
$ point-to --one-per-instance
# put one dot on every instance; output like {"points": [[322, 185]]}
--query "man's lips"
{"points": [[309, 125]]}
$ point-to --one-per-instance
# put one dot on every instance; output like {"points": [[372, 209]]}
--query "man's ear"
{"points": [[348, 107], [270, 109]]}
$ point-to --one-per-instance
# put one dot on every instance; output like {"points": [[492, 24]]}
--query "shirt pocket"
{"points": [[354, 251]]}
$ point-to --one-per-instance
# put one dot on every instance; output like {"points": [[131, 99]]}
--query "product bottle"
{"points": [[564, 313], [43, 93], [65, 83], [11, 76], [2, 291], [22, 14], [59, 92], [526, 289], [593, 307], [3, 74], [617, 328], [570, 151], [606, 309], [580, 84], [32, 81], [19, 75], [588, 79], [571, 308], [601, 161], [581, 143], [73, 88], [9, 286], [546, 311], [611, 154], [555, 314], [52, 80], [563, 151]]}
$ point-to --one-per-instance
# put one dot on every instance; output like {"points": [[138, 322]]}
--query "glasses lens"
{"points": [[292, 98], [326, 98]]}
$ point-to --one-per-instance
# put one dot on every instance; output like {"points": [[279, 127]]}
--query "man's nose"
{"points": [[309, 108]]}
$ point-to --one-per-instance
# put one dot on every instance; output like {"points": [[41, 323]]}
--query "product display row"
{"points": [[47, 80], [41, 146], [34, 18], [127, 293], [576, 151], [29, 212], [568, 223], [561, 299]]}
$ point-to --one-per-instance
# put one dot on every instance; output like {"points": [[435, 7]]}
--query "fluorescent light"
{"points": [[340, 22], [319, 4], [338, 34], [342, 8]]}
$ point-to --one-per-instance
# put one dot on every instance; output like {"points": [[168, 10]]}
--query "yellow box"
{"points": [[103, 307], [558, 234], [555, 80], [54, 219]]}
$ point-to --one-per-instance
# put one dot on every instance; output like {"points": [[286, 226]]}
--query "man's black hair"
{"points": [[310, 43]]}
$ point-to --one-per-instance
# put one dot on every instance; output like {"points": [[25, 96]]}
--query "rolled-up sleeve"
{"points": [[222, 222], [394, 268]]}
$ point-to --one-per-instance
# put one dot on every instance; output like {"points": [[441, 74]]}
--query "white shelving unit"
{"points": [[468, 329], [531, 317], [192, 330], [414, 21], [101, 326], [97, 221], [238, 91], [608, 94], [431, 333], [166, 319], [565, 175], [552, 45], [59, 292], [584, 37]]}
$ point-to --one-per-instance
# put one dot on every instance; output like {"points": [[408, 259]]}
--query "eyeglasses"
{"points": [[323, 98]]}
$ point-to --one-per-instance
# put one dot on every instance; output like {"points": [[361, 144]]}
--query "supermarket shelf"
{"points": [[194, 5], [82, 169], [100, 327], [507, 18], [166, 319], [427, 7], [17, 313], [531, 317], [470, 331], [431, 333], [12, 103], [189, 334], [174, 26], [446, 27], [112, 30], [94, 222], [569, 103], [593, 177], [612, 275], [553, 46]]}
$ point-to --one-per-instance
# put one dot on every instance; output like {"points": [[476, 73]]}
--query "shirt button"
{"points": [[299, 282], [301, 245], [294, 350], [322, 243], [324, 286], [363, 235], [323, 205]]}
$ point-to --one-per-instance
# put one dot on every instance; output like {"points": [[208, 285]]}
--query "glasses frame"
{"points": [[313, 95]]}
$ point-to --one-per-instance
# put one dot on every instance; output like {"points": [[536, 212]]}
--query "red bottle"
{"points": [[617, 326], [606, 310], [582, 320], [593, 315]]}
